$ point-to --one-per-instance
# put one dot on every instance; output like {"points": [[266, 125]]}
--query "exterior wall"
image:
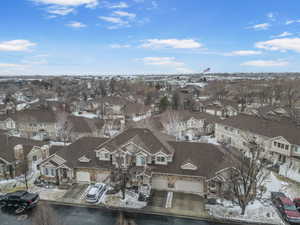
{"points": [[178, 184], [94, 173], [34, 127]]}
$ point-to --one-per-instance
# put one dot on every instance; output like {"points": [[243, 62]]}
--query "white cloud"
{"points": [[70, 3], [171, 43], [162, 61], [120, 46], [262, 26], [111, 19], [243, 53], [283, 34], [10, 65], [124, 14], [288, 22], [60, 11], [265, 63], [117, 21], [16, 45], [154, 5], [76, 24], [120, 5], [280, 44], [271, 16]]}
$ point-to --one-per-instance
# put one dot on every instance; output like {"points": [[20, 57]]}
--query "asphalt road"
{"points": [[68, 215]]}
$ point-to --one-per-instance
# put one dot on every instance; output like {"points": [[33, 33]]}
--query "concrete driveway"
{"points": [[76, 193], [188, 202], [158, 199]]}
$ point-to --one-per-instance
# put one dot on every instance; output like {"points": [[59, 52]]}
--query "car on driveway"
{"points": [[95, 192], [20, 200], [286, 207]]}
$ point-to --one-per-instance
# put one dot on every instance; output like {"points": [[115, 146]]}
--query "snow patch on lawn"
{"points": [[130, 201], [85, 115], [255, 212]]}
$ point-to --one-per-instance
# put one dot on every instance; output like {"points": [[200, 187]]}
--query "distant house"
{"points": [[188, 126], [280, 139], [7, 123], [160, 163], [85, 127], [36, 122], [15, 150], [137, 111]]}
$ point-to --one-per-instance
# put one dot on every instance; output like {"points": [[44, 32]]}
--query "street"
{"points": [[69, 215]]}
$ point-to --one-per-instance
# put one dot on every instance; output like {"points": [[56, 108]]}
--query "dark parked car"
{"points": [[20, 200], [286, 207], [297, 203]]}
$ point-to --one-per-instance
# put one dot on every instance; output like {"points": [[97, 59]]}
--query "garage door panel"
{"points": [[159, 183], [83, 177], [189, 186]]}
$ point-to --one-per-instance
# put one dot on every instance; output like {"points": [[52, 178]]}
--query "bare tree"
{"points": [[292, 93], [64, 126], [246, 181], [45, 215], [124, 173]]}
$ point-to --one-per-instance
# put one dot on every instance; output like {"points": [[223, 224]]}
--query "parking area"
{"points": [[158, 199], [188, 202], [76, 193]]}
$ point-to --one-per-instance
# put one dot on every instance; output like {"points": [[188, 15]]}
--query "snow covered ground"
{"points": [[209, 140], [85, 115], [255, 212], [258, 211], [130, 201], [53, 194]]}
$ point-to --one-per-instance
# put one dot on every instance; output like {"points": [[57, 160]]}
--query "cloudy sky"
{"points": [[148, 36]]}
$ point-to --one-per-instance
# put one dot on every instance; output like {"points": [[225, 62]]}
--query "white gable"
{"points": [[101, 150], [84, 159], [189, 166], [280, 139]]}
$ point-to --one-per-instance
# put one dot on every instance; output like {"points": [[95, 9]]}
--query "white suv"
{"points": [[95, 192]]}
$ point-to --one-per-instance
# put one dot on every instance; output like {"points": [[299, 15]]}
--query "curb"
{"points": [[148, 212]]}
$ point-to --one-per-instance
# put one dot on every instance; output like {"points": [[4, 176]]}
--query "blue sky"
{"points": [[148, 36]]}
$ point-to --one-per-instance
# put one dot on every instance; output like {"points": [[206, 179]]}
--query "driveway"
{"points": [[76, 193], [189, 202], [158, 199]]}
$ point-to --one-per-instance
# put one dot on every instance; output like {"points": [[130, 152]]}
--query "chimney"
{"points": [[19, 152], [45, 151]]}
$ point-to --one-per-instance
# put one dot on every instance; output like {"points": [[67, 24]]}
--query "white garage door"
{"points": [[159, 183], [83, 177], [101, 177], [189, 186]]}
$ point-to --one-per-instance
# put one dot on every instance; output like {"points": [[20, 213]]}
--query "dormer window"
{"points": [[160, 160], [103, 154]]}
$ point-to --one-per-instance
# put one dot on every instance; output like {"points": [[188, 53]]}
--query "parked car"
{"points": [[20, 200], [297, 203], [95, 192], [286, 207]]}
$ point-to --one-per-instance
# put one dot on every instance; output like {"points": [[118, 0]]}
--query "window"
{"points": [[53, 172], [161, 159], [275, 143], [46, 171], [286, 147], [34, 158], [171, 185]]}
